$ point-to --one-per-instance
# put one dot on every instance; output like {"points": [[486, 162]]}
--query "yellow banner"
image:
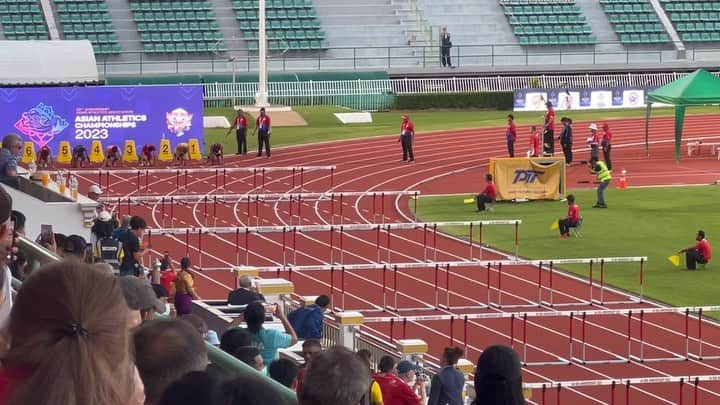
{"points": [[528, 178]]}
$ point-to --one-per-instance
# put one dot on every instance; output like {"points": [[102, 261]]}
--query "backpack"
{"points": [[109, 252]]}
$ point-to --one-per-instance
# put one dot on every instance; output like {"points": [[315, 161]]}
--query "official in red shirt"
{"points": [[511, 135], [407, 135], [606, 144], [549, 130], [534, 142], [701, 252], [240, 127], [262, 127], [395, 391], [488, 195], [572, 219]]}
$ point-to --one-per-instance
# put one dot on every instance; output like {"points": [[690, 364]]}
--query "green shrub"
{"points": [[489, 100]]}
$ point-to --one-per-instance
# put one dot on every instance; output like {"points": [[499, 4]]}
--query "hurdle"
{"points": [[202, 170], [576, 336]]}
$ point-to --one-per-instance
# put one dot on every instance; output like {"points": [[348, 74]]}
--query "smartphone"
{"points": [[46, 233]]}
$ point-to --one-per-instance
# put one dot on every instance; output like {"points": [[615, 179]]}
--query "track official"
{"points": [[407, 133], [240, 126], [599, 169], [262, 127], [606, 144], [511, 135], [549, 131]]}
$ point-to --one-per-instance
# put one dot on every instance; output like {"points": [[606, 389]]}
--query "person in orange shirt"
{"points": [[184, 288], [407, 135], [606, 144], [700, 252], [572, 219], [534, 142]]}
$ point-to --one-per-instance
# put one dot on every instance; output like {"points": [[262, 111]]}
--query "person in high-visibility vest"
{"points": [[598, 168]]}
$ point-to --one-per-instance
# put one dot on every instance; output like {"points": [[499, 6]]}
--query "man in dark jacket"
{"points": [[245, 294], [308, 321], [566, 139]]}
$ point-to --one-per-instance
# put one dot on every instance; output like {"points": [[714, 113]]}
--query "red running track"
{"points": [[448, 162]]}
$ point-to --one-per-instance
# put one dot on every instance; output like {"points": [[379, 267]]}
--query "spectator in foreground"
{"points": [[446, 386], [335, 377], [204, 388], [498, 377], [284, 371], [11, 147], [245, 293], [69, 343], [308, 320], [233, 339], [184, 287], [75, 246], [374, 394], [19, 220], [251, 356], [310, 348], [6, 249], [165, 350], [394, 382], [141, 297], [270, 339], [201, 326]]}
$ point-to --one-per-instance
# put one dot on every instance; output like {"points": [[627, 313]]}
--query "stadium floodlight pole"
{"points": [[261, 98]]}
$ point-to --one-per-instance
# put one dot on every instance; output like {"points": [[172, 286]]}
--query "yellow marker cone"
{"points": [[28, 154], [97, 154], [64, 152], [555, 225], [165, 154], [194, 149], [675, 260], [468, 200], [129, 152]]}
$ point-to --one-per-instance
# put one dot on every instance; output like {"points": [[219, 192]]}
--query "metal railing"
{"points": [[399, 57]]}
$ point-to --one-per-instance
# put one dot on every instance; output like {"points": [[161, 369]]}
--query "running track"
{"points": [[447, 162]]}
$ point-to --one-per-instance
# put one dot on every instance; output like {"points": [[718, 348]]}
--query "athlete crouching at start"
{"points": [[182, 153], [112, 155], [44, 158], [215, 157], [79, 156], [147, 155]]}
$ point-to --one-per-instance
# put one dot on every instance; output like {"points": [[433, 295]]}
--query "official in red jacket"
{"points": [[407, 135]]}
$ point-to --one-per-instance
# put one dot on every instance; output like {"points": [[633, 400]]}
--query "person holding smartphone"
{"points": [[270, 339]]}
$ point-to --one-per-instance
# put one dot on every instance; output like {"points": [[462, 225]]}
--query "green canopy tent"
{"points": [[698, 88]]}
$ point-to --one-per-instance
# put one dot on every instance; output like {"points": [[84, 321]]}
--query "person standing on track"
{"points": [[566, 139], [594, 141], [240, 126], [606, 144], [549, 131], [534, 150], [599, 169], [511, 135], [262, 127], [571, 220], [407, 135], [701, 252]]}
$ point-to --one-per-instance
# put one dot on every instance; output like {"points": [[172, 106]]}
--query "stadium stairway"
{"points": [[607, 38], [125, 27], [228, 25]]}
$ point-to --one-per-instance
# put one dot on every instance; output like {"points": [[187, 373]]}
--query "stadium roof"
{"points": [[47, 62]]}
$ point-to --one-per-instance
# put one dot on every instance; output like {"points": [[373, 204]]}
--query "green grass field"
{"points": [[652, 222], [323, 126]]}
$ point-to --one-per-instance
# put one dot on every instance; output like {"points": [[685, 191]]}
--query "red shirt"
{"points": [[574, 212], [535, 142], [395, 391], [595, 139], [166, 280], [490, 190], [511, 132], [9, 380], [300, 378], [550, 119], [703, 247], [407, 127], [240, 122], [607, 137], [263, 122]]}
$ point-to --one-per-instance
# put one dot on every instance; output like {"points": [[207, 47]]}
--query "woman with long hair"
{"points": [[184, 284], [69, 340]]}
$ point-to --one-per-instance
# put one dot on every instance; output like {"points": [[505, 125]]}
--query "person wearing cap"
{"points": [[407, 135], [511, 135], [396, 383], [606, 144], [598, 168], [94, 192], [11, 148], [594, 141], [498, 377], [240, 127], [566, 139], [549, 130], [700, 252], [140, 296], [102, 229], [262, 127], [245, 293]]}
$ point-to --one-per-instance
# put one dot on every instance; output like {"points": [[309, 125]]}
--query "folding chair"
{"points": [[575, 230]]}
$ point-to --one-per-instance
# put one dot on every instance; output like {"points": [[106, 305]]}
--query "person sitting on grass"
{"points": [[182, 153], [215, 157], [700, 252], [572, 219], [488, 195]]}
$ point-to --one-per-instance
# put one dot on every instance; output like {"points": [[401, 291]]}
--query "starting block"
{"points": [[130, 152], [64, 152], [28, 154], [96, 152]]}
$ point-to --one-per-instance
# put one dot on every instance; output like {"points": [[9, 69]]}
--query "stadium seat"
{"points": [[558, 20]]}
